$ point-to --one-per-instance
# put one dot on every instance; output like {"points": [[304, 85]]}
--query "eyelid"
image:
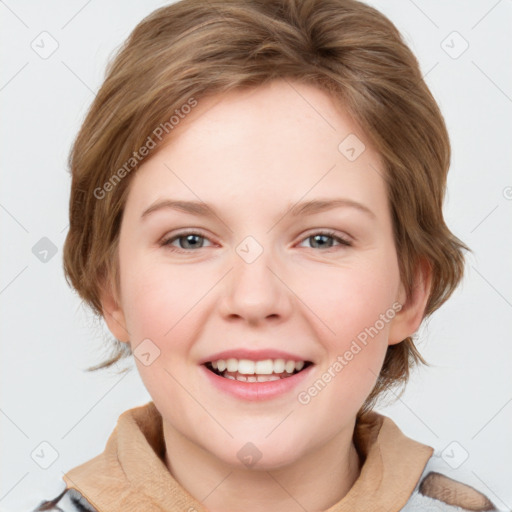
{"points": [[186, 231], [329, 232], [343, 239]]}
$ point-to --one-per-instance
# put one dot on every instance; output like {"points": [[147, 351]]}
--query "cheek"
{"points": [[160, 306], [356, 309], [163, 303], [153, 298], [348, 300]]}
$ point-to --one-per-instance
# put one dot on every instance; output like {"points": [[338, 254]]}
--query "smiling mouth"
{"points": [[246, 370]]}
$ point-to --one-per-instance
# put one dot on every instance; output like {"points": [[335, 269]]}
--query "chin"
{"points": [[260, 455]]}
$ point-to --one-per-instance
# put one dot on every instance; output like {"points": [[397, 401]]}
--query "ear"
{"points": [[113, 313], [408, 319]]}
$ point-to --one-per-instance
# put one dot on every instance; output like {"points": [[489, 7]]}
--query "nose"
{"points": [[256, 289]]}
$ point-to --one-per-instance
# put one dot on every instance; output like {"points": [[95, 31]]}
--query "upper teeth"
{"points": [[264, 367]]}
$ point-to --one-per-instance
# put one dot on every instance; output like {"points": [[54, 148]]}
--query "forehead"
{"points": [[263, 110], [278, 142]]}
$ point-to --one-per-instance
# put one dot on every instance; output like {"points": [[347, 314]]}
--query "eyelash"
{"points": [[331, 234]]}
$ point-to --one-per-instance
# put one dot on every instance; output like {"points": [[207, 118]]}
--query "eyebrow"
{"points": [[303, 208]]}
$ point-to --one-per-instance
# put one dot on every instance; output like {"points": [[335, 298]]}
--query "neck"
{"points": [[316, 481]]}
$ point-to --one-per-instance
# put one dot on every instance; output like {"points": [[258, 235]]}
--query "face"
{"points": [[256, 280]]}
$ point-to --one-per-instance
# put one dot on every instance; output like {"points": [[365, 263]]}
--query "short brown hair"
{"points": [[193, 48]]}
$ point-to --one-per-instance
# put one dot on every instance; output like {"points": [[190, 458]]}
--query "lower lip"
{"points": [[255, 391]]}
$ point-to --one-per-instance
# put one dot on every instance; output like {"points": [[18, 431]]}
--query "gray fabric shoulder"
{"points": [[421, 502], [69, 500]]}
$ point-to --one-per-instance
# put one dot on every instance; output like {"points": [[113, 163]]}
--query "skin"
{"points": [[250, 155]]}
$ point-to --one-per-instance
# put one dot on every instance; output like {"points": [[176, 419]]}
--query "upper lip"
{"points": [[253, 355]]}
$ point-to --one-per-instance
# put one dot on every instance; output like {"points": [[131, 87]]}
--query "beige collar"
{"points": [[130, 474]]}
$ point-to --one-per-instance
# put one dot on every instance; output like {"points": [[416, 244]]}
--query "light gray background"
{"points": [[48, 338]]}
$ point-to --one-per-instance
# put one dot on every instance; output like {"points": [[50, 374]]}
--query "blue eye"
{"points": [[320, 236], [190, 240]]}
